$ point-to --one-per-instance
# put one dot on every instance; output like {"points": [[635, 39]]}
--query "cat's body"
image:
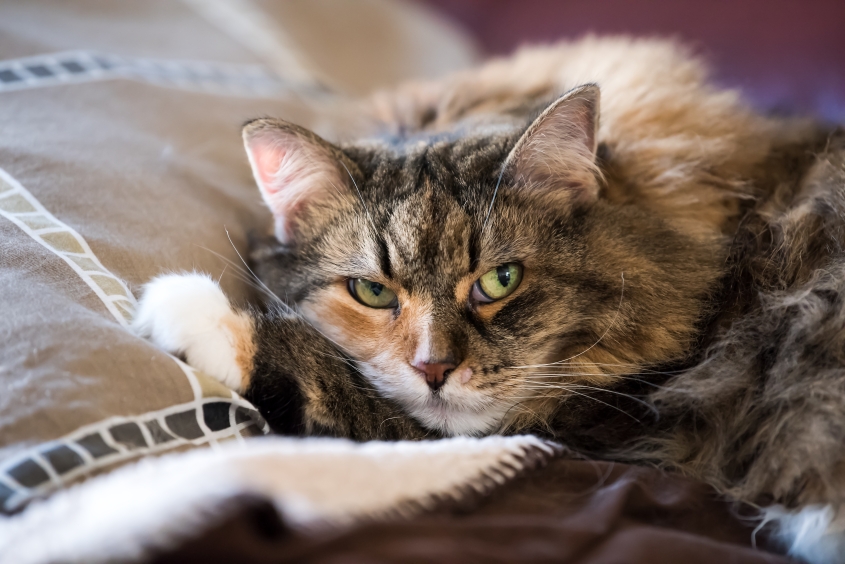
{"points": [[669, 275]]}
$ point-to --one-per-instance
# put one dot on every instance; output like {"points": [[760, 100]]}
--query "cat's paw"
{"points": [[189, 314], [813, 534]]}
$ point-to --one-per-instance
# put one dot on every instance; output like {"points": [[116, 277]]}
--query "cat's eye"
{"points": [[497, 283], [372, 294]]}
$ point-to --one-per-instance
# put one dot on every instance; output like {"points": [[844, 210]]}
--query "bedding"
{"points": [[571, 511], [496, 499], [120, 159]]}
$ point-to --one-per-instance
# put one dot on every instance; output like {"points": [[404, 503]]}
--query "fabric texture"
{"points": [[566, 511], [121, 159], [318, 485], [496, 499]]}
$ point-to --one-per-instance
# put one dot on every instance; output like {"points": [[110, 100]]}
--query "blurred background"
{"points": [[786, 55]]}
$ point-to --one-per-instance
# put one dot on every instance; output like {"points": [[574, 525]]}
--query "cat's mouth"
{"points": [[455, 413], [452, 408]]}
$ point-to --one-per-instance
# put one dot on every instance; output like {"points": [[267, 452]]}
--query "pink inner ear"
{"points": [[292, 173], [267, 159]]}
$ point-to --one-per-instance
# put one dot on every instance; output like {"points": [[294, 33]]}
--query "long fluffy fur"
{"points": [[686, 149], [762, 417]]}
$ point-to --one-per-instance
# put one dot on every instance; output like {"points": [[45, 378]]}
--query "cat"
{"points": [[587, 241]]}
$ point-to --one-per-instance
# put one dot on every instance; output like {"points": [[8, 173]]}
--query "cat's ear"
{"points": [[558, 150], [293, 167]]}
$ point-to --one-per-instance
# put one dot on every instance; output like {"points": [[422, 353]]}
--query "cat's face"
{"points": [[475, 316]]}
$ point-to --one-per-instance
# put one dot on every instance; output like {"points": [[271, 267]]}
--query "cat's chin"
{"points": [[457, 423], [440, 414]]}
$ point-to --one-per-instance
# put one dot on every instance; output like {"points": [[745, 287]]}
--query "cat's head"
{"points": [[479, 277]]}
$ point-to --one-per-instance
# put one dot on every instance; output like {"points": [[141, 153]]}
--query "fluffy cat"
{"points": [[641, 268]]}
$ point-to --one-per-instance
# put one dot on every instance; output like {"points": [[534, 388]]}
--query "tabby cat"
{"points": [[655, 278]]}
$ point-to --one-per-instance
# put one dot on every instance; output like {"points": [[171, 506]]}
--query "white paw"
{"points": [[189, 314], [814, 534]]}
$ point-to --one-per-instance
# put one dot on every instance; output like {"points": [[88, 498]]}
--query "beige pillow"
{"points": [[120, 159]]}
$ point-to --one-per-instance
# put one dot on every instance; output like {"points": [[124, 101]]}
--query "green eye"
{"points": [[372, 294], [497, 283]]}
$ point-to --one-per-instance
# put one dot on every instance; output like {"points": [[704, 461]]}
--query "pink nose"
{"points": [[435, 372]]}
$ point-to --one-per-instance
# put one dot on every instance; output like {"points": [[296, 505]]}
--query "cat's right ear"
{"points": [[557, 153], [293, 167]]}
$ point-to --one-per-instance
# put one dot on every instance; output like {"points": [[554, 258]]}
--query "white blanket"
{"points": [[158, 502]]}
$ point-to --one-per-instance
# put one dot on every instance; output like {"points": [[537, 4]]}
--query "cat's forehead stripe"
{"points": [[428, 239], [384, 258]]}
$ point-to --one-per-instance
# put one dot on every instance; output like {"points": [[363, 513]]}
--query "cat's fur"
{"points": [[682, 301]]}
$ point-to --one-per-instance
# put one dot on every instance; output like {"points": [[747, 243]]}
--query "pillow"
{"points": [[121, 159]]}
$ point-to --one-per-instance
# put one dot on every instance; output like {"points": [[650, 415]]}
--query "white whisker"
{"points": [[568, 387], [493, 199], [606, 331], [594, 399], [360, 197], [241, 273]]}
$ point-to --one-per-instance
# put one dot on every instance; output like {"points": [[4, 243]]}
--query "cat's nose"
{"points": [[435, 372]]}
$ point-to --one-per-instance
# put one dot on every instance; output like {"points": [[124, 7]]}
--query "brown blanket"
{"points": [[567, 511]]}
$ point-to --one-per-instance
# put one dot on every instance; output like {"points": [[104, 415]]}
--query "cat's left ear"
{"points": [[294, 168], [557, 153]]}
